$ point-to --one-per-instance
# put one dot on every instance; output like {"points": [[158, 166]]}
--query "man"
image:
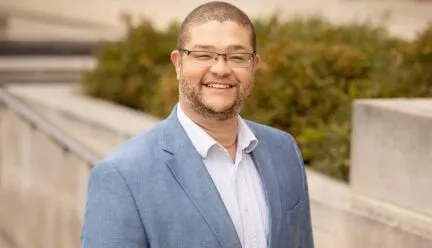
{"points": [[204, 177]]}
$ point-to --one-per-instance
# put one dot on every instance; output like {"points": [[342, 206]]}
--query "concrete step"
{"points": [[46, 69], [13, 77], [47, 48]]}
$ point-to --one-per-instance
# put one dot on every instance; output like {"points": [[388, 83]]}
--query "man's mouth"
{"points": [[218, 86]]}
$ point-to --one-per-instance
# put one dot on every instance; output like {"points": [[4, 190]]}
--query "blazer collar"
{"points": [[190, 172], [262, 157], [192, 176]]}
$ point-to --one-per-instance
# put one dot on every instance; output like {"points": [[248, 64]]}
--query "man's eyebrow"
{"points": [[230, 48], [237, 48], [204, 47]]}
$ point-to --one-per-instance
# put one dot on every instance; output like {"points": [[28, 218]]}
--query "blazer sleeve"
{"points": [[306, 239], [111, 218]]}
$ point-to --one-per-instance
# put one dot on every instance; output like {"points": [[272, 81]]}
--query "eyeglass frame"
{"points": [[224, 55]]}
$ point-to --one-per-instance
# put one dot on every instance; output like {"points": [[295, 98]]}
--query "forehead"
{"points": [[220, 35]]}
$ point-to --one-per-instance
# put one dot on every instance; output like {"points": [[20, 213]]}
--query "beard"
{"points": [[194, 98]]}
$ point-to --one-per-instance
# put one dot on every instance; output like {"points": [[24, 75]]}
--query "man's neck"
{"points": [[224, 132]]}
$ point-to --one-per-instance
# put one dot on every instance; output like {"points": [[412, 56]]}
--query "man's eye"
{"points": [[237, 58], [202, 56]]}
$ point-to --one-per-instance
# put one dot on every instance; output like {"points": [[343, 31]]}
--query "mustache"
{"points": [[219, 81]]}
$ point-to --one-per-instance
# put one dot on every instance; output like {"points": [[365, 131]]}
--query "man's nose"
{"points": [[221, 67]]}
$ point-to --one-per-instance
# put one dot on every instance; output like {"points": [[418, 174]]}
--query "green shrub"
{"points": [[311, 72], [127, 70], [418, 65]]}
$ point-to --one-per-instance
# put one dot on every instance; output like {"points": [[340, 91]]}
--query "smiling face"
{"points": [[215, 90]]}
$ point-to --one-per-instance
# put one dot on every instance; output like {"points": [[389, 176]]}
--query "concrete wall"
{"points": [[101, 127], [336, 222], [391, 166], [42, 187]]}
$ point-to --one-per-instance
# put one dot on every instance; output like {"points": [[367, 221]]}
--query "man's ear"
{"points": [[256, 62], [176, 60]]}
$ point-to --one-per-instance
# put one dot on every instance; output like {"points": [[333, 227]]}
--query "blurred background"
{"points": [[350, 79]]}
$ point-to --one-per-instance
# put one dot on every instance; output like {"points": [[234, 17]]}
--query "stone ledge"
{"points": [[420, 107], [403, 219], [68, 99], [391, 161]]}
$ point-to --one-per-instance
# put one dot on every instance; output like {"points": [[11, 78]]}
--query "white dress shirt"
{"points": [[238, 182]]}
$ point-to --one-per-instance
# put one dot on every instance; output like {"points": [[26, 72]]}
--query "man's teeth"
{"points": [[219, 86]]}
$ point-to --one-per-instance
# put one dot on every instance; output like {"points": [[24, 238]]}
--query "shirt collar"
{"points": [[247, 140], [199, 138], [202, 141]]}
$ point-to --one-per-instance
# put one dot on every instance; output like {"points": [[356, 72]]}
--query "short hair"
{"points": [[214, 11]]}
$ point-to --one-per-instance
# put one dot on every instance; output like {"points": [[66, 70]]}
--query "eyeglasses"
{"points": [[207, 58]]}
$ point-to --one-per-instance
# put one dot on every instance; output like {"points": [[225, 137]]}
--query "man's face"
{"points": [[216, 90]]}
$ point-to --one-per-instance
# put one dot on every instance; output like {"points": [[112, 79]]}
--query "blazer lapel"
{"points": [[262, 159], [190, 172]]}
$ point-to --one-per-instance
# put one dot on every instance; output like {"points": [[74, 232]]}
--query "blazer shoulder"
{"points": [[135, 150], [267, 132], [282, 142], [276, 138]]}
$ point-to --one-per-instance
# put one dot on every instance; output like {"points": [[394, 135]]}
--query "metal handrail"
{"points": [[50, 130]]}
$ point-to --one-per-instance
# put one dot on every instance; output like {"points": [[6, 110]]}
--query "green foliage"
{"points": [[311, 71], [418, 65], [127, 71]]}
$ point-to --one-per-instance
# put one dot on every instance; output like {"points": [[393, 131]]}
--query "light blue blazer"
{"points": [[154, 191]]}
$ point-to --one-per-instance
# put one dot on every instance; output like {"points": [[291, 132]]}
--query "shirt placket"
{"points": [[247, 209]]}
